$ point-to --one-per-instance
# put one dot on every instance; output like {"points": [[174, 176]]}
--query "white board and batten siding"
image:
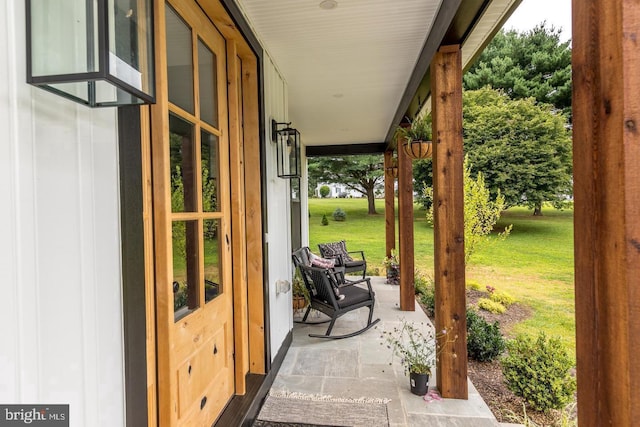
{"points": [[60, 273], [278, 211]]}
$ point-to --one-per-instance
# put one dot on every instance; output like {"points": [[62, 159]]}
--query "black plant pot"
{"points": [[419, 383], [393, 274]]}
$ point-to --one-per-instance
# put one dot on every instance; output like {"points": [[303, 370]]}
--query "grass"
{"points": [[534, 264]]}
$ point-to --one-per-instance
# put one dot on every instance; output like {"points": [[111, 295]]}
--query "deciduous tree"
{"points": [[362, 173], [522, 148]]}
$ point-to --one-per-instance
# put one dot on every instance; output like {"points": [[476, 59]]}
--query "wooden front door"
{"points": [[192, 219]]}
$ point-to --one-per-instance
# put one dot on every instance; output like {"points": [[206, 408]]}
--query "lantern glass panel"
{"points": [[288, 153], [293, 149], [97, 52], [129, 42], [64, 37], [285, 154]]}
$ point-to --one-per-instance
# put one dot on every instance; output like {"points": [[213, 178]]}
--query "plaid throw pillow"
{"points": [[335, 249]]}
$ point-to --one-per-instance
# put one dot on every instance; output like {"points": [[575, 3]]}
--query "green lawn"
{"points": [[534, 264]]}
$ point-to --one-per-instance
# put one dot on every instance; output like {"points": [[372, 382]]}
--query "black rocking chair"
{"points": [[351, 262], [333, 300]]}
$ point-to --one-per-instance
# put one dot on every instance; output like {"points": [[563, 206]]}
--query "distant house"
{"points": [[338, 191]]}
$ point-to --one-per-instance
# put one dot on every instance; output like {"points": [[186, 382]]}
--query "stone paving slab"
{"points": [[362, 366]]}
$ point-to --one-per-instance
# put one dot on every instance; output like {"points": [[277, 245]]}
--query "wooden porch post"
{"points": [[606, 150], [389, 207], [405, 230], [446, 110]]}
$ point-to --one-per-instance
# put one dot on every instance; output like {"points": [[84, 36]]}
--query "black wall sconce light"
{"points": [[95, 52], [287, 140]]}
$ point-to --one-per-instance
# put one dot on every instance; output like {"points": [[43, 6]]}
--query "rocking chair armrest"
{"points": [[358, 252], [351, 282], [366, 280], [337, 274]]}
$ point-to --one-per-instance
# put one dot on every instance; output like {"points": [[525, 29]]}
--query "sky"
{"points": [[533, 12]]}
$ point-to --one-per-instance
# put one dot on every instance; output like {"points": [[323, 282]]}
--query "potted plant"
{"points": [[417, 138], [300, 293], [416, 349], [392, 265]]}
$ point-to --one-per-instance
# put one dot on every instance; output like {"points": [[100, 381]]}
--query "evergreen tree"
{"points": [[530, 64]]}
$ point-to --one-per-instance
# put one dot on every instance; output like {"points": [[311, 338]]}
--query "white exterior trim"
{"points": [[60, 271]]}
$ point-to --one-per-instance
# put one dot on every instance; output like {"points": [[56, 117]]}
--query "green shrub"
{"points": [[491, 306], [472, 284], [179, 295], [481, 211], [503, 298], [325, 190], [484, 341], [538, 371], [339, 215], [324, 221], [425, 288], [422, 283]]}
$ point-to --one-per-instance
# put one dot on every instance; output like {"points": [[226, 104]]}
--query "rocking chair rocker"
{"points": [[328, 297]]}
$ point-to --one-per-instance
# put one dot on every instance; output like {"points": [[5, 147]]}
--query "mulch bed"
{"points": [[487, 376]]}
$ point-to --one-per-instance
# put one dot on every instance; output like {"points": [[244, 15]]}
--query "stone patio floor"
{"points": [[359, 367]]}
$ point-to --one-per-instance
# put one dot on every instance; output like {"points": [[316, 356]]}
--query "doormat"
{"points": [[298, 409], [260, 423]]}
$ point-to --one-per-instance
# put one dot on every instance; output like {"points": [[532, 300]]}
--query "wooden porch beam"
{"points": [[405, 230], [389, 205], [446, 110], [606, 150]]}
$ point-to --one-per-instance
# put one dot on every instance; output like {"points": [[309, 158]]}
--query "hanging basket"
{"points": [[418, 149]]}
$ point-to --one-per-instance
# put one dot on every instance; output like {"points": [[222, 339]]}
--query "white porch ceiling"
{"points": [[347, 68]]}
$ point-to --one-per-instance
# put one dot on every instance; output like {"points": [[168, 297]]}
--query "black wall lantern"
{"points": [[287, 142], [96, 52]]}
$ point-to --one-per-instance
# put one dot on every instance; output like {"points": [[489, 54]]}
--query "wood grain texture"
{"points": [[149, 277], [253, 206], [405, 231], [606, 145], [161, 231], [446, 90], [389, 206], [238, 230], [195, 355]]}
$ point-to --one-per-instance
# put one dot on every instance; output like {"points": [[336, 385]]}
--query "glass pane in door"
{"points": [[186, 277], [183, 165], [207, 67], [210, 169], [179, 61]]}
